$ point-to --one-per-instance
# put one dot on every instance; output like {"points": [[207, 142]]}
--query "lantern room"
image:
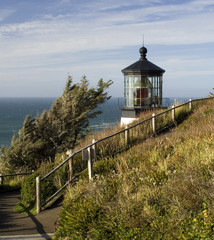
{"points": [[142, 86]]}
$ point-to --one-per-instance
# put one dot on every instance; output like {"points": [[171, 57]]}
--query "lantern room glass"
{"points": [[142, 91]]}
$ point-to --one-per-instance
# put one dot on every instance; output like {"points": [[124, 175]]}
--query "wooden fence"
{"points": [[2, 176], [112, 144]]}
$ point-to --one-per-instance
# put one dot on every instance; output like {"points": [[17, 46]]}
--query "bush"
{"points": [[28, 189]]}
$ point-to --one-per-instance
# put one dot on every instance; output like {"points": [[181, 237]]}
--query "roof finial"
{"points": [[143, 52]]}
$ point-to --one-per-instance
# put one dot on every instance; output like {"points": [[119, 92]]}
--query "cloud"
{"points": [[4, 13], [169, 24], [83, 37]]}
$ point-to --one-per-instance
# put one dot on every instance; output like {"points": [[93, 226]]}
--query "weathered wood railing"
{"points": [[117, 142], [2, 176]]}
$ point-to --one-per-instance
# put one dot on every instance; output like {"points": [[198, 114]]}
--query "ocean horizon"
{"points": [[14, 110]]}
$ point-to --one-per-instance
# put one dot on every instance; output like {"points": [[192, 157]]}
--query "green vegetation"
{"points": [[40, 141], [105, 148], [56, 130], [12, 183], [28, 189], [160, 189], [48, 187]]}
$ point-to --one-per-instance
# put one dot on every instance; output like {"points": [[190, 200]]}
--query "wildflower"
{"points": [[205, 213]]}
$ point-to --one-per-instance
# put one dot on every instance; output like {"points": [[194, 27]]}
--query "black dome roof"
{"points": [[143, 66]]}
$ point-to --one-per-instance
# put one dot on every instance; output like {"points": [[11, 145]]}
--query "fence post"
{"points": [[1, 179], [94, 149], [90, 163], [70, 165], [153, 123], [190, 104], [173, 113], [38, 194], [127, 136]]}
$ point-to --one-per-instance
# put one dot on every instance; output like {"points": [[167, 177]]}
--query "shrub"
{"points": [[28, 189]]}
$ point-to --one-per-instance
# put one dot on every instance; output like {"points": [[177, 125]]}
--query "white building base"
{"points": [[124, 121]]}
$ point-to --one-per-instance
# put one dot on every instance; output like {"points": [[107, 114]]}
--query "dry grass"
{"points": [[117, 143], [160, 189]]}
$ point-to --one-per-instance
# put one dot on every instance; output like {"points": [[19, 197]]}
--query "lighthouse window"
{"points": [[155, 82], [130, 93], [137, 82], [146, 82], [141, 90], [130, 82]]}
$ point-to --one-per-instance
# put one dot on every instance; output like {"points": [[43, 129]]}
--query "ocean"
{"points": [[14, 110]]}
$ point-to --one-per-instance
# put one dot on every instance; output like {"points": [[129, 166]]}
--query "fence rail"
{"points": [[115, 143], [2, 176]]}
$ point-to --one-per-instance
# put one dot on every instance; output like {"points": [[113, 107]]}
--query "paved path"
{"points": [[13, 225]]}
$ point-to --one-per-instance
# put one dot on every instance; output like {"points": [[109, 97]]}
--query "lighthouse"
{"points": [[143, 84]]}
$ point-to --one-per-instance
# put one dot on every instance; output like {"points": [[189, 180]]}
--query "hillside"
{"points": [[160, 189]]}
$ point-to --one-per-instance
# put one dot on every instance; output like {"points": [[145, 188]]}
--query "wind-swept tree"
{"points": [[59, 128]]}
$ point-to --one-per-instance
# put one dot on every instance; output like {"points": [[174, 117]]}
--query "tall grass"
{"points": [[117, 142], [113, 145], [12, 183], [160, 189]]}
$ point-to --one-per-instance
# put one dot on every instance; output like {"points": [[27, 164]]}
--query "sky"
{"points": [[44, 41]]}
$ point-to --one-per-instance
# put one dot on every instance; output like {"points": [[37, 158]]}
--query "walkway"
{"points": [[25, 226]]}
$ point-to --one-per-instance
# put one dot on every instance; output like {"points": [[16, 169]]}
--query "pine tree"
{"points": [[58, 129]]}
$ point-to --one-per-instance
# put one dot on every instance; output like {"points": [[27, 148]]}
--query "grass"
{"points": [[12, 183], [112, 146], [21, 208], [104, 167], [160, 189]]}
